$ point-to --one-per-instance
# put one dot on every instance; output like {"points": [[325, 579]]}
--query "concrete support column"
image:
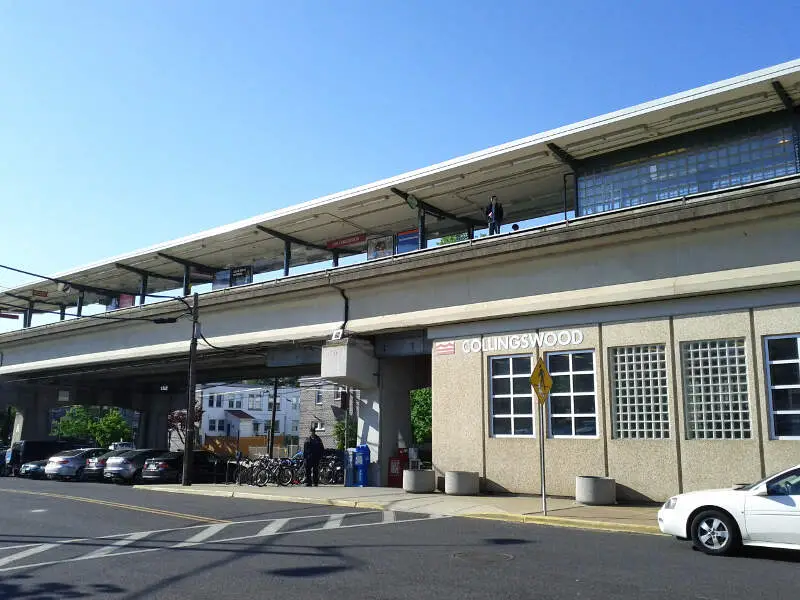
{"points": [[33, 406]]}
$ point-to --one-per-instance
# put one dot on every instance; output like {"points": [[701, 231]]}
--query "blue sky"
{"points": [[125, 124]]}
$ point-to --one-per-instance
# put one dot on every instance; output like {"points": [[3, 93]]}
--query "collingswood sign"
{"points": [[523, 341]]}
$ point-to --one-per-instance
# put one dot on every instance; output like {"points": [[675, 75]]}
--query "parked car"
{"points": [[168, 468], [97, 465], [33, 469], [70, 464], [765, 513], [122, 446], [31, 450], [127, 467]]}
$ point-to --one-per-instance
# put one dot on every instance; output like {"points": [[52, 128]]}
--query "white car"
{"points": [[766, 513]]}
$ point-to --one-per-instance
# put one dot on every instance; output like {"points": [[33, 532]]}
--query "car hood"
{"points": [[715, 494]]}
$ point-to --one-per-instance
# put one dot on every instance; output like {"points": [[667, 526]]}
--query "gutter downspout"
{"points": [[346, 304]]}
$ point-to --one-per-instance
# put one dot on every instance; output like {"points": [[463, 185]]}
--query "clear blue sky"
{"points": [[130, 123]]}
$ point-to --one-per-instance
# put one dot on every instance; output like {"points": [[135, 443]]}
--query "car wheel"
{"points": [[78, 475], [137, 478], [715, 533]]}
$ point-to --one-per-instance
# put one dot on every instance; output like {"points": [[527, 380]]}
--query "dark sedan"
{"points": [[168, 468], [33, 469]]}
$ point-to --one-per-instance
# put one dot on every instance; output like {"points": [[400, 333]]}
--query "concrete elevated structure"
{"points": [[653, 281]]}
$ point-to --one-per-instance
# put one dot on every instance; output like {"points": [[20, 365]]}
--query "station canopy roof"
{"points": [[526, 175]]}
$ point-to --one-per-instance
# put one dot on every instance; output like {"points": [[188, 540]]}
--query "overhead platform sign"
{"points": [[352, 240]]}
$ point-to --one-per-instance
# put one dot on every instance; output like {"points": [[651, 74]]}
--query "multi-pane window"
{"points": [[230, 401], [318, 397], [212, 424], [318, 426], [221, 425], [573, 409], [783, 377], [511, 407], [256, 425], [210, 400], [219, 400], [715, 389], [639, 386], [255, 402], [277, 408], [721, 158]]}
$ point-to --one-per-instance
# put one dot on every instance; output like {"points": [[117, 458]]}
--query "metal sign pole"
{"points": [[541, 458]]}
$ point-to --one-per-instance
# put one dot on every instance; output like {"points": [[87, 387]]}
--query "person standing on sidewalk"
{"points": [[312, 454]]}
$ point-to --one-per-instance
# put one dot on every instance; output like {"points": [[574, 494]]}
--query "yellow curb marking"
{"points": [[154, 511]]}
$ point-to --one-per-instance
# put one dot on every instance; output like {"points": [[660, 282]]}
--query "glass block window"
{"points": [[572, 404], [715, 390], [511, 409], [639, 386], [783, 378], [724, 157]]}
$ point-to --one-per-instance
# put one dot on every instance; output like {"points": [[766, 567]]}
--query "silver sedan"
{"points": [[70, 464]]}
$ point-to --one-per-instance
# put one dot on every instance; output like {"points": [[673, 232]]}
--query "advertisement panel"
{"points": [[241, 275], [379, 247]]}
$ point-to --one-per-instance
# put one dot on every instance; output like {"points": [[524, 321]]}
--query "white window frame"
{"points": [[318, 425], [572, 414], [646, 392], [212, 424], [318, 397], [692, 434], [511, 396], [770, 387], [219, 401], [256, 425]]}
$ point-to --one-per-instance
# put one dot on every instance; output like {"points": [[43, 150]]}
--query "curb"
{"points": [[585, 524], [567, 522]]}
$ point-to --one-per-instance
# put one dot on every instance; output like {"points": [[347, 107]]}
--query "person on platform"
{"points": [[312, 454], [494, 215]]}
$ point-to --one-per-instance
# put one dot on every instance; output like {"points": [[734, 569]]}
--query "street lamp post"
{"points": [[188, 445]]}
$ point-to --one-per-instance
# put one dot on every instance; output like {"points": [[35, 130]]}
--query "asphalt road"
{"points": [[85, 540]]}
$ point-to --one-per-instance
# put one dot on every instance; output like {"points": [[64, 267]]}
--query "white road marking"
{"points": [[203, 535], [273, 527], [334, 522], [26, 553], [388, 516], [126, 541], [39, 510]]}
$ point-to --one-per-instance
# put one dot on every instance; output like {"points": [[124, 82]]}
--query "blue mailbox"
{"points": [[360, 466]]}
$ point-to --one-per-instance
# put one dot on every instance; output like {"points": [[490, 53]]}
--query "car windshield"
{"points": [[752, 486], [70, 453]]}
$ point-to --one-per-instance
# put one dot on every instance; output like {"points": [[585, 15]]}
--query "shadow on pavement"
{"points": [[16, 586]]}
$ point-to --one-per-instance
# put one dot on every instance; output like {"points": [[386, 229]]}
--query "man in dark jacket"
{"points": [[494, 215], [312, 454]]}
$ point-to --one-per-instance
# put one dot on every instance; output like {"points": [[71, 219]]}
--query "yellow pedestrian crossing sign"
{"points": [[541, 382]]}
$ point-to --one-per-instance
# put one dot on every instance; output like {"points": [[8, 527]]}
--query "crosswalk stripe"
{"points": [[333, 522], [203, 535], [388, 516], [273, 527], [26, 553], [126, 541]]}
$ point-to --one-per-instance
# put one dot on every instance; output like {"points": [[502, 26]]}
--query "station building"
{"points": [[655, 270]]}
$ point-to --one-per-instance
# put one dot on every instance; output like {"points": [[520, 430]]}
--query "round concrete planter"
{"points": [[419, 481], [461, 483], [595, 490]]}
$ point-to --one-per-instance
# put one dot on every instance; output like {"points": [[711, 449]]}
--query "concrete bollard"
{"points": [[593, 490], [419, 481], [461, 483]]}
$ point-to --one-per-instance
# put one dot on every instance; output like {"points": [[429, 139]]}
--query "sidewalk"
{"points": [[563, 512]]}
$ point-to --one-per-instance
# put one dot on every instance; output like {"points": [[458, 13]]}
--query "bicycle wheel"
{"points": [[261, 477], [285, 475]]}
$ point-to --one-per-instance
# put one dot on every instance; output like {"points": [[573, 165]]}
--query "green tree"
{"points": [[111, 427], [453, 238], [345, 433], [74, 424], [421, 415]]}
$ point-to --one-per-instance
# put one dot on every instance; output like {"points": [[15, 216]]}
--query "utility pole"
{"points": [[272, 422], [188, 445]]}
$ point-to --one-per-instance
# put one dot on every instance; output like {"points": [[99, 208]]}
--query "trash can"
{"points": [[360, 465]]}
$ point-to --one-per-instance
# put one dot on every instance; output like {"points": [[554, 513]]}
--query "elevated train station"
{"points": [[655, 267]]}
